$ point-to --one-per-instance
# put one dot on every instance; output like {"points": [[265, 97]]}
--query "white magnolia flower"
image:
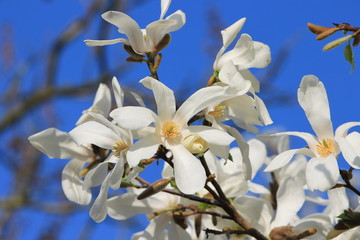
{"points": [[246, 53], [171, 130], [142, 41], [322, 170], [242, 106], [57, 144]]}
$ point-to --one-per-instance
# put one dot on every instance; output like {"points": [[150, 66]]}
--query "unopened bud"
{"points": [[337, 42], [181, 221], [198, 220], [195, 144], [214, 220], [162, 43], [316, 29], [356, 40], [280, 233], [154, 188], [327, 33]]}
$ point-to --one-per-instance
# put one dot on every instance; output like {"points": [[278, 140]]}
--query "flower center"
{"points": [[218, 111], [326, 147], [119, 146], [170, 130]]}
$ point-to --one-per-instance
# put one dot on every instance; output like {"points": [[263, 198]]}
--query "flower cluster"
{"points": [[203, 176]]}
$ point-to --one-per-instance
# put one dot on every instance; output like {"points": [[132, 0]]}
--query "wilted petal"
{"points": [[290, 198], [94, 133], [57, 144], [133, 118], [189, 173], [164, 97], [72, 183], [99, 43], [128, 27], [143, 149], [322, 173], [313, 99]]}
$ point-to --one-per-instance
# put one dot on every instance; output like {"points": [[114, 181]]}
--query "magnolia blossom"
{"points": [[142, 41], [322, 170], [246, 53], [171, 130]]}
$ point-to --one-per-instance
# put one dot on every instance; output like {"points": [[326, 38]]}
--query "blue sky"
{"points": [[186, 63]]}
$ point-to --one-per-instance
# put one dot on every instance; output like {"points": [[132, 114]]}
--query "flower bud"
{"points": [[132, 53], [154, 188], [195, 144], [316, 29], [337, 42]]}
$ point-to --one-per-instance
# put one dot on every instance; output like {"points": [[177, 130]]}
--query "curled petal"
{"points": [[283, 158], [349, 147], [118, 92], [133, 118]]}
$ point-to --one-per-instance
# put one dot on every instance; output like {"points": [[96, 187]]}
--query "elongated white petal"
{"points": [[282, 159], [126, 205], [343, 129], [349, 147], [177, 233], [57, 144], [313, 99], [257, 188], [219, 141], [179, 18], [189, 173], [245, 148], [72, 183], [95, 133], [155, 31], [338, 202], [99, 43], [155, 230], [118, 92], [164, 97], [143, 149], [98, 210], [228, 36], [263, 112], [96, 176], [164, 7], [249, 76], [128, 27], [290, 198], [117, 172], [322, 173], [197, 102], [133, 118], [257, 155]]}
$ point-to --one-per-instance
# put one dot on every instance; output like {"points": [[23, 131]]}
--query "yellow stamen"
{"points": [[218, 111], [326, 147], [170, 129], [119, 146]]}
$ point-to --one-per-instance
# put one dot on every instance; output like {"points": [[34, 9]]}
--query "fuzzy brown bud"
{"points": [[162, 43], [154, 188]]}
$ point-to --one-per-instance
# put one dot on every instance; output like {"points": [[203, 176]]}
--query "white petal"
{"points": [[96, 176], [228, 36], [126, 205], [282, 159], [155, 31], [143, 149], [117, 172], [313, 99], [290, 198], [128, 27], [57, 144], [257, 188], [257, 155], [263, 112], [118, 92], [322, 173], [343, 129], [98, 210], [164, 97], [349, 147], [244, 147], [155, 230], [95, 133], [249, 76], [189, 173], [72, 183], [219, 141], [164, 7], [177, 233], [338, 203], [197, 102], [99, 43], [180, 19], [133, 118]]}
